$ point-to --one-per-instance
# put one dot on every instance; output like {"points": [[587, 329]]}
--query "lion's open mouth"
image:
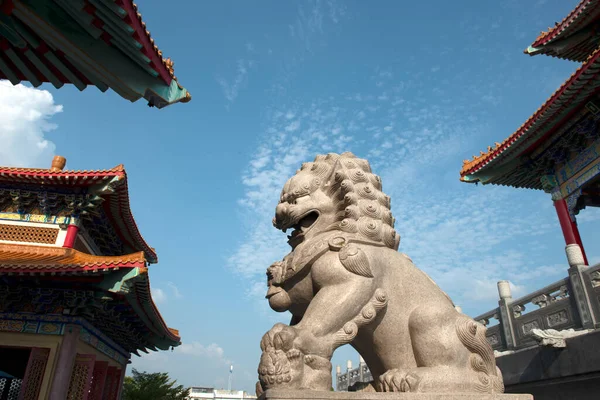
{"points": [[300, 228]]}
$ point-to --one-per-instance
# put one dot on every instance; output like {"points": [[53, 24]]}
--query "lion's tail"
{"points": [[482, 360]]}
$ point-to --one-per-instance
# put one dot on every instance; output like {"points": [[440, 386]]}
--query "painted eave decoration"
{"points": [[111, 185], [575, 37], [570, 97], [86, 42], [124, 276]]}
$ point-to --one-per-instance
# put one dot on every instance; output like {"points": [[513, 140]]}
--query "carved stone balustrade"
{"points": [[491, 320]]}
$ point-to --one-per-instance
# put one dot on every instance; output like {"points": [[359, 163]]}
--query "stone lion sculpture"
{"points": [[345, 282]]}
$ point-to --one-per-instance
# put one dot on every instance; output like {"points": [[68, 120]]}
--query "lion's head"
{"points": [[336, 192]]}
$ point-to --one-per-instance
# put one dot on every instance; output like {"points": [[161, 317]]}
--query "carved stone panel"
{"points": [[528, 326], [493, 339], [558, 318]]}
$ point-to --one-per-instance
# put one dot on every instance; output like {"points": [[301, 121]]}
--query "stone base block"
{"points": [[279, 394]]}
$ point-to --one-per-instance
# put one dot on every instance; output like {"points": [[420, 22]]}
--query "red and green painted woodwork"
{"points": [[85, 42], [56, 324], [132, 285], [576, 177], [116, 299]]}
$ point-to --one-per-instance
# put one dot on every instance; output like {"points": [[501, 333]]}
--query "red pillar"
{"points": [[98, 381], [111, 388], [565, 221], [72, 230], [64, 364], [121, 382], [568, 226]]}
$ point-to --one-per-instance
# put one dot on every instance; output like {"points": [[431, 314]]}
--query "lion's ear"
{"points": [[355, 260]]}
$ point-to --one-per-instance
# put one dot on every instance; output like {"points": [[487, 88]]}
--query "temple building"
{"points": [[85, 42], [75, 298], [558, 148]]}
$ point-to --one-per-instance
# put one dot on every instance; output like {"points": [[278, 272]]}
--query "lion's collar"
{"points": [[306, 253]]}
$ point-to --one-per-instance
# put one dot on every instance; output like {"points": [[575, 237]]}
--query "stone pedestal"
{"points": [[279, 394]]}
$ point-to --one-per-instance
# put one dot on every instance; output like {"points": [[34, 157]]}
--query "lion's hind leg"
{"points": [[444, 362]]}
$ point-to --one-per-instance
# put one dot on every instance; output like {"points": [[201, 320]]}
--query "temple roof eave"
{"points": [[129, 62], [125, 276], [111, 184], [134, 285], [569, 96], [498, 181], [24, 258], [578, 19]]}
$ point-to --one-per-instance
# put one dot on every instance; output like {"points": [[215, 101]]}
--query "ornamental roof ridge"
{"points": [[166, 64], [118, 170], [554, 32], [478, 162]]}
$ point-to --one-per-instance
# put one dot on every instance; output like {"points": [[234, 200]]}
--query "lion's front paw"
{"points": [[278, 368], [281, 364], [410, 382], [396, 380], [280, 337], [391, 380]]}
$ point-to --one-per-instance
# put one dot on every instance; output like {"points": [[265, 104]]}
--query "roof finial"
{"points": [[58, 163]]}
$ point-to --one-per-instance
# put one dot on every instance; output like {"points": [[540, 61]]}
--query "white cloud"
{"points": [[197, 349], [25, 113], [589, 215], [193, 364], [293, 127], [175, 290], [231, 89], [158, 295], [312, 19]]}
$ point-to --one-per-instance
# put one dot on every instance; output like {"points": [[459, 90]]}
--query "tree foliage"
{"points": [[152, 386]]}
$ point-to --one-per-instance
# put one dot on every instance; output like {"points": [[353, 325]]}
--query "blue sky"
{"points": [[415, 87]]}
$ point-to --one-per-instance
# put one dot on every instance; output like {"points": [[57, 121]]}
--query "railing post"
{"points": [[349, 373], [338, 373], [361, 367], [578, 285], [506, 314]]}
